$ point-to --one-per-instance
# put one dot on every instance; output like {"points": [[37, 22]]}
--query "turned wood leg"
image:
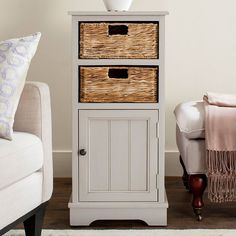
{"points": [[198, 185], [33, 225], [185, 176]]}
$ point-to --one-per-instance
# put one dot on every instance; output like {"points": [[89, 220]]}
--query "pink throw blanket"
{"points": [[220, 125]]}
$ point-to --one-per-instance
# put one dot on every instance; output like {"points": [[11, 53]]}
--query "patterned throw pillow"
{"points": [[15, 57]]}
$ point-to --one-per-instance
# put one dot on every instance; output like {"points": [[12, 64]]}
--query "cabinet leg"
{"points": [[185, 176], [198, 185]]}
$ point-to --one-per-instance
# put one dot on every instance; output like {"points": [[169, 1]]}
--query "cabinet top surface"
{"points": [[118, 13]]}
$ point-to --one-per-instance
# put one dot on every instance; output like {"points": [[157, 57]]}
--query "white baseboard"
{"points": [[172, 167], [62, 164]]}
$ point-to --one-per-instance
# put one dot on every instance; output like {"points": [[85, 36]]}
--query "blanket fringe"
{"points": [[221, 175]]}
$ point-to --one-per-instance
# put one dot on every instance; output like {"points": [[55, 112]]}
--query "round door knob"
{"points": [[82, 152]]}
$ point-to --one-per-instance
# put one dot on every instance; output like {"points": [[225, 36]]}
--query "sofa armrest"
{"points": [[33, 116]]}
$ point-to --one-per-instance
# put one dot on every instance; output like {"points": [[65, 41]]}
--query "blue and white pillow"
{"points": [[15, 58]]}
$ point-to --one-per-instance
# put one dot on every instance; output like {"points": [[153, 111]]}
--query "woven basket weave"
{"points": [[141, 84], [119, 40]]}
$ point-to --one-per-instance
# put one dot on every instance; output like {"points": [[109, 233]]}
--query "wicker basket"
{"points": [[119, 40], [119, 84]]}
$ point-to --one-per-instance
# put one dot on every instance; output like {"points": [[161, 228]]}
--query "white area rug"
{"points": [[154, 232]]}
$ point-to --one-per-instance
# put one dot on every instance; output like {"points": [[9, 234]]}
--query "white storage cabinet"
{"points": [[118, 147]]}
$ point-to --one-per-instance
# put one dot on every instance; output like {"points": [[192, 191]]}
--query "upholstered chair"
{"points": [[26, 176], [190, 137]]}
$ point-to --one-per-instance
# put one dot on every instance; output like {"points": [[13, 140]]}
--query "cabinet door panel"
{"points": [[98, 138], [138, 153], [121, 160], [119, 155]]}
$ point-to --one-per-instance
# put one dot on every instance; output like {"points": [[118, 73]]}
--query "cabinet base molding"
{"points": [[84, 213]]}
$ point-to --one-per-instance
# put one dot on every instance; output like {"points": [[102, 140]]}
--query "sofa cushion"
{"points": [[190, 119], [19, 158], [20, 198], [15, 57]]}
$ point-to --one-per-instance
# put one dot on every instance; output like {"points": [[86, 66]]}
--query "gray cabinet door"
{"points": [[121, 157]]}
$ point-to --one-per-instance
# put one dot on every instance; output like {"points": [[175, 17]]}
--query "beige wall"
{"points": [[200, 48]]}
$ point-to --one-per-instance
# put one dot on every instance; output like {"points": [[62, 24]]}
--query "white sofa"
{"points": [[26, 175]]}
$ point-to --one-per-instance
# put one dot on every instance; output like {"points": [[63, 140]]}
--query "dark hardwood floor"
{"points": [[180, 214]]}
